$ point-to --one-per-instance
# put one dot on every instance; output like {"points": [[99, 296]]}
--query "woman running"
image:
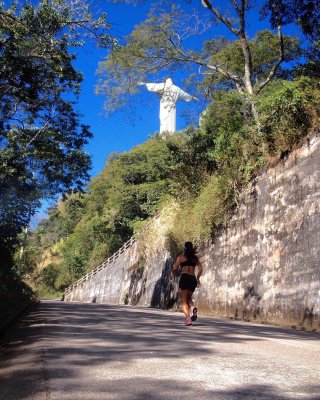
{"points": [[187, 263]]}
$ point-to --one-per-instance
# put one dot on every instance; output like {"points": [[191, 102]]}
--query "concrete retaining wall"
{"points": [[109, 282], [264, 266]]}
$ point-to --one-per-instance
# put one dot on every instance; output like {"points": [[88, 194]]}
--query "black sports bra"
{"points": [[189, 263]]}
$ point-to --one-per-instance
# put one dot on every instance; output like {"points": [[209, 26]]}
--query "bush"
{"points": [[203, 168], [287, 113], [213, 205]]}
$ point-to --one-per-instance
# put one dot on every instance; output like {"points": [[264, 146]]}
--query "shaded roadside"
{"points": [[16, 300]]}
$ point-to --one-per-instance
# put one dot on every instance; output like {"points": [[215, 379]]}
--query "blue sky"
{"points": [[117, 133]]}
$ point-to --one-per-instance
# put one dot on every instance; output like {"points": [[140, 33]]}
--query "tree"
{"points": [[303, 12], [86, 230], [129, 188], [163, 43], [41, 139], [306, 14]]}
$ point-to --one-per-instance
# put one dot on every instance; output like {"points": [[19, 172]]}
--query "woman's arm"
{"points": [[175, 267]]}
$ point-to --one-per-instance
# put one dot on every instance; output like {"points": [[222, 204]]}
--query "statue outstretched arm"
{"points": [[153, 87], [185, 96]]}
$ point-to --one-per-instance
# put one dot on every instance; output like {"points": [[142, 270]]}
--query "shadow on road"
{"points": [[58, 342]]}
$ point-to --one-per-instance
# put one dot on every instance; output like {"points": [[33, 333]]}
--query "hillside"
{"points": [[203, 169]]}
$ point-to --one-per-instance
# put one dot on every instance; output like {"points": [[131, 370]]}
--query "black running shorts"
{"points": [[187, 282]]}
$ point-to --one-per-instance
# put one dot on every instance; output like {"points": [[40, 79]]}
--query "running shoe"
{"points": [[188, 322], [194, 313]]}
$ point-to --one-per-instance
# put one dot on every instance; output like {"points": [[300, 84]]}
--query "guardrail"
{"points": [[111, 259], [105, 263]]}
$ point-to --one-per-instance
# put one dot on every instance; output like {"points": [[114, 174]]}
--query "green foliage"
{"points": [[264, 49], [71, 210], [42, 139], [224, 147], [162, 45], [199, 217], [213, 205], [306, 14], [203, 169], [64, 278], [91, 227], [234, 153], [48, 276], [130, 186], [90, 244], [48, 282], [237, 151], [289, 112], [190, 164]]}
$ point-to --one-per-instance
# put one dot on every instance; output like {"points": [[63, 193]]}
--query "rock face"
{"points": [[263, 266]]}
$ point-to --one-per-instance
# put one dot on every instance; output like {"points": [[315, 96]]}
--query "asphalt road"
{"points": [[63, 351]]}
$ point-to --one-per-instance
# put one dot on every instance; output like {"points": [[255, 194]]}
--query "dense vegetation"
{"points": [[203, 168], [258, 109], [41, 135]]}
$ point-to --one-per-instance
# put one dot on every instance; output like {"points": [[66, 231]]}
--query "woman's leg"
{"points": [[193, 311], [184, 294], [190, 301]]}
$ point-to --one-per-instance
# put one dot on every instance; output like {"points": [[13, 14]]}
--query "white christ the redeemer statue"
{"points": [[169, 95]]}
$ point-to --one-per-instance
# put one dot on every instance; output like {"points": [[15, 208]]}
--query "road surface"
{"points": [[73, 351]]}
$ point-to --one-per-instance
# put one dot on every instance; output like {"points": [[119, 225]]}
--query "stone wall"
{"points": [[109, 283], [263, 266]]}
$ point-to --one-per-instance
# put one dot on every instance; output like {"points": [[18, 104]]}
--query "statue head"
{"points": [[168, 82]]}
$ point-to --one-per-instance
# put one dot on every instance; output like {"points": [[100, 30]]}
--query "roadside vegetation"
{"points": [[41, 135], [204, 169], [262, 99]]}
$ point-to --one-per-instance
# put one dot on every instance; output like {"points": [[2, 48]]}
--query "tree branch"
{"points": [[236, 6], [40, 130], [241, 13], [225, 21], [215, 68], [276, 65]]}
